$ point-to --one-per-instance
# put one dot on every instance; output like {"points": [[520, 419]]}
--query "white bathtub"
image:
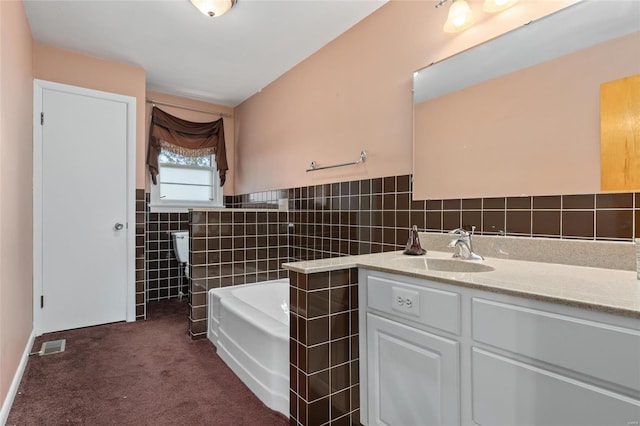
{"points": [[249, 325]]}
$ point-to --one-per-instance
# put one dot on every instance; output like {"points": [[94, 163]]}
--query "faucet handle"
{"points": [[459, 231], [413, 245]]}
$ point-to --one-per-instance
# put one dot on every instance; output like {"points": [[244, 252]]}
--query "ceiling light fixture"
{"points": [[493, 6], [460, 17], [214, 8]]}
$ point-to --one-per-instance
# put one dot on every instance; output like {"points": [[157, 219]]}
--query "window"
{"points": [[186, 182]]}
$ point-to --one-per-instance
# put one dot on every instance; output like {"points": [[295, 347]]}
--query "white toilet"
{"points": [[181, 250]]}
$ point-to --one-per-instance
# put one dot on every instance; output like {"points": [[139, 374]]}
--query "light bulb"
{"points": [[493, 6], [460, 17]]}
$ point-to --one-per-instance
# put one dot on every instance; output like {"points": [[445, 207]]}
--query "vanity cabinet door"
{"points": [[563, 341], [413, 376]]}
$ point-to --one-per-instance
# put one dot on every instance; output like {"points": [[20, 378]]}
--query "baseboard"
{"points": [[15, 383]]}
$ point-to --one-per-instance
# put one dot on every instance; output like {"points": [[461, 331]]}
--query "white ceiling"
{"points": [[222, 60]]}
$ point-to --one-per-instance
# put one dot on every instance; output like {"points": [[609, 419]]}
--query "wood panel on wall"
{"points": [[620, 134]]}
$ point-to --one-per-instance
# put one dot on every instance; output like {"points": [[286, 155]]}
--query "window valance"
{"points": [[185, 138]]}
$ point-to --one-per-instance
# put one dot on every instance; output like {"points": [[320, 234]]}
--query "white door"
{"points": [[84, 198]]}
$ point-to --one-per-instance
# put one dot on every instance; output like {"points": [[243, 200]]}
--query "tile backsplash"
{"points": [[374, 215]]}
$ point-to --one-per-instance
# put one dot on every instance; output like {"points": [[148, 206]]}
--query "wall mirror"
{"points": [[520, 114]]}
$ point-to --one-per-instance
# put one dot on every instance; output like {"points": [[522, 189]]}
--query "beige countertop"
{"points": [[606, 290]]}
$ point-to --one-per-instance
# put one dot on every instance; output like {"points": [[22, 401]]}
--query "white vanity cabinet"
{"points": [[441, 354], [413, 372]]}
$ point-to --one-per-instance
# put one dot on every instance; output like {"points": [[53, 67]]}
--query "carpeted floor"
{"points": [[142, 373]]}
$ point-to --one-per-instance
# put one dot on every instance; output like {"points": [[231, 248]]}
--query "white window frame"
{"points": [[159, 205]]}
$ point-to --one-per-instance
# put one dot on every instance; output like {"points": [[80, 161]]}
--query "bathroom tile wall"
{"points": [[374, 215], [585, 216], [256, 200], [355, 217], [231, 248], [324, 351], [141, 306], [165, 277]]}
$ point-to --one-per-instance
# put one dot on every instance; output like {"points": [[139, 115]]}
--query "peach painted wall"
{"points": [[16, 175], [229, 127], [532, 132], [355, 94], [63, 66]]}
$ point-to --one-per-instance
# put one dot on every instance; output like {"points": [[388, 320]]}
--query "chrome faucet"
{"points": [[463, 244]]}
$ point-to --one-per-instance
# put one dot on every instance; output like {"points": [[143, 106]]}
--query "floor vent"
{"points": [[52, 347]]}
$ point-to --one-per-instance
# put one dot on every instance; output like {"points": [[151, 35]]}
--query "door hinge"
{"points": [[41, 302], [42, 118]]}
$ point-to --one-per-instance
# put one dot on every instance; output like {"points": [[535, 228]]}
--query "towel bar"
{"points": [[314, 167]]}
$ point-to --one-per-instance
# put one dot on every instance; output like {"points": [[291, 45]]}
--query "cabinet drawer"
{"points": [[508, 392], [435, 308], [599, 350]]}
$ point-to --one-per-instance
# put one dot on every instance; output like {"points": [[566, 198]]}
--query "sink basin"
{"points": [[443, 265]]}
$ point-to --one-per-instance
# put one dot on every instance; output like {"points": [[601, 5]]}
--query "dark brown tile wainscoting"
{"points": [[165, 277], [141, 281], [374, 215], [324, 351], [348, 218], [231, 248]]}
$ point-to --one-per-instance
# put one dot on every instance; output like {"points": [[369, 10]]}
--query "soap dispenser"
{"points": [[413, 245]]}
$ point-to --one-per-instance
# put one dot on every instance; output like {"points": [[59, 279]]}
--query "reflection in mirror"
{"points": [[520, 114]]}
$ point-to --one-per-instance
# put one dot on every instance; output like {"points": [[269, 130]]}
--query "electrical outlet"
{"points": [[405, 301]]}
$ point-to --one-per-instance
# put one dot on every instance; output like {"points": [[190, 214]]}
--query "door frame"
{"points": [[38, 89]]}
